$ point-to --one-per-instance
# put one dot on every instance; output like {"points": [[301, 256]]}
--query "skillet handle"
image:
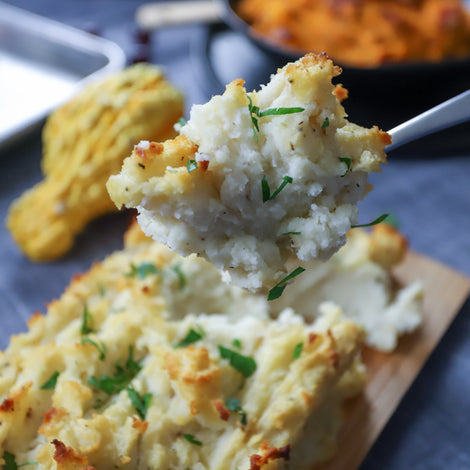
{"points": [[151, 16], [447, 114]]}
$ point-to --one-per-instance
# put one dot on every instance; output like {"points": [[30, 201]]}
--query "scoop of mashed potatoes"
{"points": [[255, 178]]}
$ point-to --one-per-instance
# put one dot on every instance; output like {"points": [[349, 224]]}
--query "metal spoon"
{"points": [[444, 115]]}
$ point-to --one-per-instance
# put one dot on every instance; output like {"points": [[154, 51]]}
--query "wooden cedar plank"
{"points": [[390, 375]]}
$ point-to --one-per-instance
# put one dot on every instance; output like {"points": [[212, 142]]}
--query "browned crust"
{"points": [[269, 454], [387, 245], [68, 459], [310, 59], [8, 405], [340, 92], [223, 411], [140, 425]]}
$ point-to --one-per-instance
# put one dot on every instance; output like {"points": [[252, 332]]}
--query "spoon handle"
{"points": [[151, 16], [447, 114]]}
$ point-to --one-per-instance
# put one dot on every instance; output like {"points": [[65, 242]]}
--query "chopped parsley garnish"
{"points": [[267, 196], [190, 438], [244, 364], [121, 378], [139, 402], [142, 270], [181, 277], [297, 350], [191, 165], [102, 291], [87, 329], [101, 347], [10, 461], [392, 221], [236, 343], [374, 222], [348, 161], [278, 289], [191, 337], [182, 122], [291, 233], [87, 319], [233, 404], [255, 114], [51, 382], [326, 123], [98, 403]]}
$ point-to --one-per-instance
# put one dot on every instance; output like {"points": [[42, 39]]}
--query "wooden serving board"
{"points": [[390, 375]]}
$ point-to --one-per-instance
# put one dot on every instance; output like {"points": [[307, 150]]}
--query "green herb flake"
{"points": [[244, 364], [101, 347], [181, 277], [139, 402], [254, 119], [98, 403], [102, 291], [278, 289], [121, 378], [255, 114], [374, 222], [191, 165], [10, 461], [190, 438], [142, 270], [191, 337], [291, 233], [348, 161], [87, 319], [297, 350], [132, 365], [266, 192], [182, 121], [392, 221], [280, 111], [51, 382], [233, 404], [236, 343], [326, 123]]}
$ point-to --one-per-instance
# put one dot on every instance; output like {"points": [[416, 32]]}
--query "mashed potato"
{"points": [[358, 279], [247, 190], [113, 378]]}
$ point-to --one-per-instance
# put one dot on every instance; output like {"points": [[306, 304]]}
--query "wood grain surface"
{"points": [[390, 375]]}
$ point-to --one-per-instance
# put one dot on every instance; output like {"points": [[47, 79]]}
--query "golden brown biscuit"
{"points": [[85, 141]]}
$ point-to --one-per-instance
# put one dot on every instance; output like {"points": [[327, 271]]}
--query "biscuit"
{"points": [[84, 142]]}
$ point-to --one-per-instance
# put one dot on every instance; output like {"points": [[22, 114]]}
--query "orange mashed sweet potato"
{"points": [[364, 33]]}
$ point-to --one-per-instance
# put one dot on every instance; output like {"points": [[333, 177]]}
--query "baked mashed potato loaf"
{"points": [[257, 177], [84, 142], [147, 361]]}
